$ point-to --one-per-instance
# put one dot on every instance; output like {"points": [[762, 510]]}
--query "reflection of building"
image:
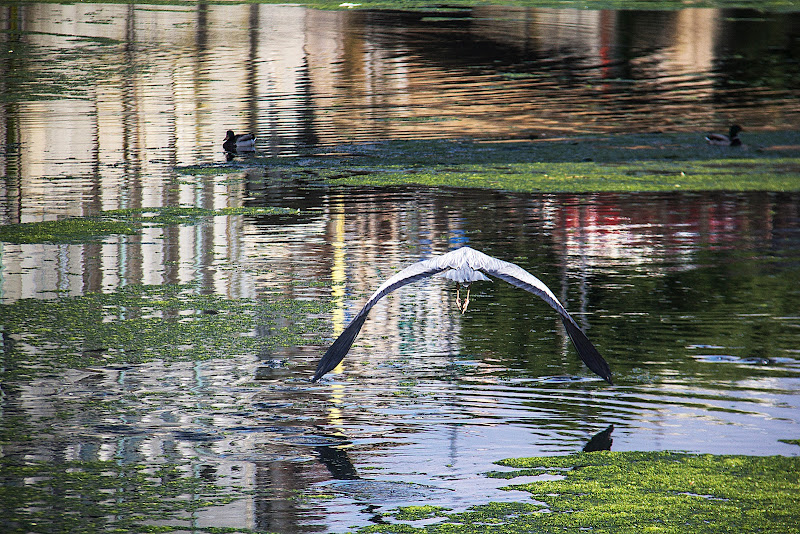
{"points": [[355, 241], [153, 87], [664, 235]]}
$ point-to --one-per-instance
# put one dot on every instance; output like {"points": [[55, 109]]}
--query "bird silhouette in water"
{"points": [[732, 139], [465, 266]]}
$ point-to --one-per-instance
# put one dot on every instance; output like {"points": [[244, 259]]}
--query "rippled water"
{"points": [[691, 297]]}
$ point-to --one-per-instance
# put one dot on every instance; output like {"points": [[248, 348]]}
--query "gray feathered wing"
{"points": [[336, 352], [456, 259], [519, 277]]}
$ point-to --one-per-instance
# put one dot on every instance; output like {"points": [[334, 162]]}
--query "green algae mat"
{"points": [[629, 492], [769, 161], [139, 323], [120, 222], [599, 492]]}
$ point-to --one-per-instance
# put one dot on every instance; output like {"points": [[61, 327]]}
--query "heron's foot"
{"points": [[463, 307]]}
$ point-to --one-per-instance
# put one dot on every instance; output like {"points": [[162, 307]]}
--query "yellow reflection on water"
{"points": [[338, 274]]}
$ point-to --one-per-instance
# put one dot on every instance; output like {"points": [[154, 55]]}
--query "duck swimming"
{"points": [[732, 139], [239, 142]]}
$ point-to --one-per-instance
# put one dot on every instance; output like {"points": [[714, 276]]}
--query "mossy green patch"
{"points": [[145, 323], [736, 175], [71, 230], [624, 163], [618, 163], [120, 222], [635, 492], [182, 215], [415, 513]]}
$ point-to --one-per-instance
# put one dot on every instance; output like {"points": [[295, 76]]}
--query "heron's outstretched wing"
{"points": [[457, 259], [519, 277], [341, 346]]}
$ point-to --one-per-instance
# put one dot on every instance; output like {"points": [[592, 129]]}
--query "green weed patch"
{"points": [[631, 492], [118, 222]]}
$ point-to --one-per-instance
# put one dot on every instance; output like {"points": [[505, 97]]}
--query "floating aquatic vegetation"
{"points": [[71, 230], [172, 215], [120, 222], [708, 175], [415, 513], [632, 492], [103, 496], [145, 323], [620, 163]]}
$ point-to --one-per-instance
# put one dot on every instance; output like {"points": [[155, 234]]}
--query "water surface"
{"points": [[691, 297]]}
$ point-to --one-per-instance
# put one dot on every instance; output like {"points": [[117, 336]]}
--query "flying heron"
{"points": [[464, 266]]}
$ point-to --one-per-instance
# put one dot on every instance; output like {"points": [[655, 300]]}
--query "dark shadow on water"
{"points": [[336, 460], [230, 155]]}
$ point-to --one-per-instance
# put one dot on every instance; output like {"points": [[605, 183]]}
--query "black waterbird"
{"points": [[235, 143], [732, 139]]}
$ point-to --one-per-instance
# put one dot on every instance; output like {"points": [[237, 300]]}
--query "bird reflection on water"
{"points": [[376, 493], [601, 441]]}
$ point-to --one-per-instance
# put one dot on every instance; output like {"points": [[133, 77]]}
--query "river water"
{"points": [[691, 297]]}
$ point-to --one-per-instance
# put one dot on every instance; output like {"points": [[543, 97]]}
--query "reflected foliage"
{"points": [[742, 306]]}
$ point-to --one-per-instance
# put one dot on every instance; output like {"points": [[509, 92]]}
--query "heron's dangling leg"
{"points": [[462, 306]]}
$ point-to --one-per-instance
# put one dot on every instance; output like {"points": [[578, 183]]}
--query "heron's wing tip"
{"points": [[339, 349], [587, 351]]}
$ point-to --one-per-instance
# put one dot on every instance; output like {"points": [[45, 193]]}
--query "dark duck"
{"points": [[732, 139], [235, 143]]}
